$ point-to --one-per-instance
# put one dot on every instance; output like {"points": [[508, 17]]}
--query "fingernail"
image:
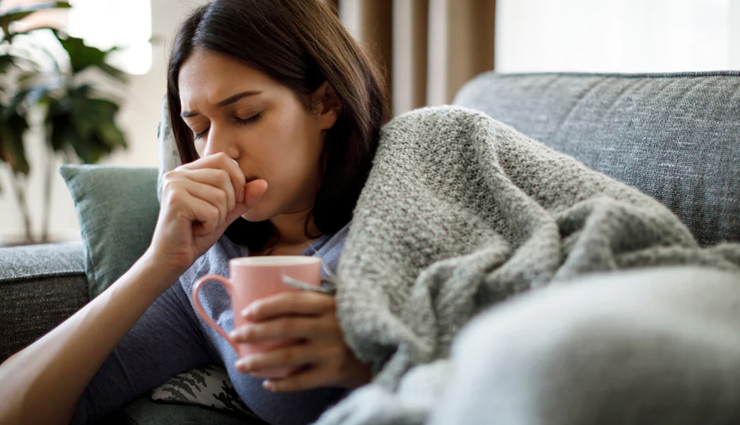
{"points": [[233, 334], [247, 313]]}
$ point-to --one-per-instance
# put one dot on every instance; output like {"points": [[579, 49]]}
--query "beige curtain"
{"points": [[428, 48]]}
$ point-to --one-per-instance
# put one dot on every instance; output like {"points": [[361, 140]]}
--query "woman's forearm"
{"points": [[42, 383]]}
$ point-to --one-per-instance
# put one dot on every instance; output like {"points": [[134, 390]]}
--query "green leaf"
{"points": [[6, 61], [59, 126], [12, 150], [83, 56], [86, 125]]}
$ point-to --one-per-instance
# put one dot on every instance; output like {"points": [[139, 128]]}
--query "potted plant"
{"points": [[56, 79]]}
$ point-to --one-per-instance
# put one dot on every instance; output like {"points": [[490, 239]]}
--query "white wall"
{"points": [[617, 36], [139, 117]]}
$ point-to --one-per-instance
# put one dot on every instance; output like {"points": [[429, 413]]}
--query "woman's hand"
{"points": [[199, 201], [310, 318]]}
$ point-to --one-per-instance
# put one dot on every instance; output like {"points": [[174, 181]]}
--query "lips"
{"points": [[251, 178]]}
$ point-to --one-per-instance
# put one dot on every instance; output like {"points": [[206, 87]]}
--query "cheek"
{"points": [[200, 148], [292, 146]]}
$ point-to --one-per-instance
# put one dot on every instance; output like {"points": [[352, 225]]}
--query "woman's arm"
{"points": [[43, 383]]}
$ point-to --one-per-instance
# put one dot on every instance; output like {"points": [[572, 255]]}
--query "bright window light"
{"points": [[617, 36], [108, 23]]}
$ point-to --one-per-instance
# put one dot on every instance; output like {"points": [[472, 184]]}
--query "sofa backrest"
{"points": [[676, 137]]}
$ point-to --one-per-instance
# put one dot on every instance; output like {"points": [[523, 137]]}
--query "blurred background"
{"points": [[83, 81]]}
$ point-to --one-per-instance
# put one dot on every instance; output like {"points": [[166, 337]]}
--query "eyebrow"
{"points": [[233, 99]]}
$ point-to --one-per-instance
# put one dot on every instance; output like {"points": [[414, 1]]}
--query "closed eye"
{"points": [[200, 135], [245, 121], [240, 121]]}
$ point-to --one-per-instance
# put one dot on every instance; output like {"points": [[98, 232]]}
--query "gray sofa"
{"points": [[675, 137]]}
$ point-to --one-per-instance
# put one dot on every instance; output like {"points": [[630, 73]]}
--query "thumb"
{"points": [[253, 193]]}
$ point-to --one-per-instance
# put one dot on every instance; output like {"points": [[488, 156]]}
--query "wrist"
{"points": [[158, 269], [156, 258]]}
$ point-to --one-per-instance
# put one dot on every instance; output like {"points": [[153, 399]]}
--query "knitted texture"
{"points": [[460, 212]]}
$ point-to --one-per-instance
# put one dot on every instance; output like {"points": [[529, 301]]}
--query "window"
{"points": [[103, 24], [617, 36], [108, 23]]}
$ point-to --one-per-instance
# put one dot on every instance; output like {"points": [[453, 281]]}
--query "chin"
{"points": [[257, 213]]}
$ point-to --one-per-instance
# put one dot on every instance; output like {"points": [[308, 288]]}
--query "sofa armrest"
{"points": [[40, 286]]}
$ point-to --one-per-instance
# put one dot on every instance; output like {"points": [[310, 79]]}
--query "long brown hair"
{"points": [[300, 44]]}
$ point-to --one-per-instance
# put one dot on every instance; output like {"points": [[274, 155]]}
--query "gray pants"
{"points": [[641, 347]]}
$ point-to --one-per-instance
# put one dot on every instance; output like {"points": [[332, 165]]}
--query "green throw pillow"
{"points": [[117, 208]]}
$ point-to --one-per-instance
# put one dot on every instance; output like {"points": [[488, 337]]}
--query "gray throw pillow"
{"points": [[117, 208]]}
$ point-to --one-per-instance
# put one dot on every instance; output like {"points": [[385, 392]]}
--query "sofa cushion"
{"points": [[117, 209], [40, 286], [676, 137]]}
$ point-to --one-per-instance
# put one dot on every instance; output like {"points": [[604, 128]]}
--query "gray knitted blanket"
{"points": [[461, 212]]}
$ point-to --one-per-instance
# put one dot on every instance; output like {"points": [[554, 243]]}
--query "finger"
{"points": [[322, 328], [204, 215], [213, 195], [219, 179], [240, 209], [289, 302], [254, 191], [310, 378], [293, 355], [223, 162]]}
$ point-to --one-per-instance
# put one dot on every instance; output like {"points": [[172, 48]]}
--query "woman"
{"points": [[276, 112]]}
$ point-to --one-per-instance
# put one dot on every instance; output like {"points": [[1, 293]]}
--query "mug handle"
{"points": [[199, 308]]}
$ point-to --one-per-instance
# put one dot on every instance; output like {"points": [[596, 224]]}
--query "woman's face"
{"points": [[242, 112]]}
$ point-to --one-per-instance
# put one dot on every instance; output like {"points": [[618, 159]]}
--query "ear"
{"points": [[328, 105]]}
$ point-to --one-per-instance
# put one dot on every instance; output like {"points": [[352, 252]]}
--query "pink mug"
{"points": [[252, 278]]}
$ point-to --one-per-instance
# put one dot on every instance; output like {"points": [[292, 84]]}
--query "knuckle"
{"points": [[319, 327], [288, 355], [168, 181], [336, 352], [340, 365], [174, 199], [249, 331], [214, 213], [284, 326], [333, 327], [330, 303], [223, 175], [220, 197], [294, 300]]}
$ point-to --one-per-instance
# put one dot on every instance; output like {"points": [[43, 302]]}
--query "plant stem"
{"points": [[21, 199], [47, 191]]}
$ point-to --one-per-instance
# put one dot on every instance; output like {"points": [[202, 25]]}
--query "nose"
{"points": [[220, 141]]}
